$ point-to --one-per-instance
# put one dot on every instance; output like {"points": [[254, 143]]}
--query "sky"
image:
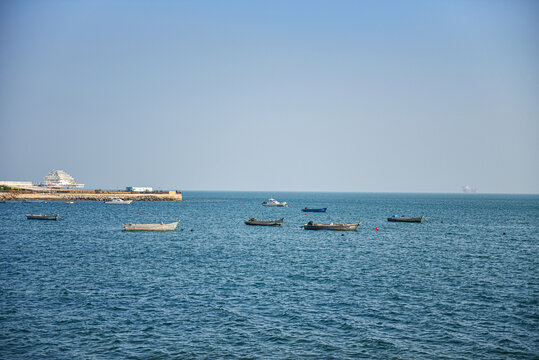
{"points": [[360, 96]]}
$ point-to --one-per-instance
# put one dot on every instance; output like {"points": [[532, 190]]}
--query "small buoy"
{"points": [[342, 234], [305, 213], [139, 211], [192, 230], [376, 229], [504, 233]]}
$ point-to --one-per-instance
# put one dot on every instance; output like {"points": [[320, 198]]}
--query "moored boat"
{"points": [[396, 218], [255, 221], [42, 217], [117, 200], [151, 227], [314, 210], [33, 201], [338, 227], [273, 202]]}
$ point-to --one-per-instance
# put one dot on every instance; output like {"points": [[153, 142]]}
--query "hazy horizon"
{"points": [[315, 96]]}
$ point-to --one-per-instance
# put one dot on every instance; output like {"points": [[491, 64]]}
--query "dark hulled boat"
{"points": [[255, 221], [314, 210], [338, 227], [406, 219], [42, 217]]}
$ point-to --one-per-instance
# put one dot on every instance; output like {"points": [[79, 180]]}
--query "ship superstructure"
{"points": [[60, 179]]}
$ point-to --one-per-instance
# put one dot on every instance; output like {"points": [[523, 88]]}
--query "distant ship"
{"points": [[469, 190], [60, 179]]}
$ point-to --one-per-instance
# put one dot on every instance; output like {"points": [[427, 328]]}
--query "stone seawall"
{"points": [[86, 196]]}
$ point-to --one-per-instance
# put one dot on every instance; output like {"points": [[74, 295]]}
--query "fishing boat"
{"points": [[151, 227], [42, 217], [314, 210], [338, 227], [255, 221], [396, 218], [117, 200], [273, 202], [33, 201]]}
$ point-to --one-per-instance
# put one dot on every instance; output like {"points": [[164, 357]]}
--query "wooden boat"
{"points": [[255, 221], [273, 202], [151, 227], [117, 200], [314, 210], [42, 217], [338, 227], [395, 218]]}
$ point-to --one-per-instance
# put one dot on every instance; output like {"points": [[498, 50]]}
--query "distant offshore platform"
{"points": [[469, 190]]}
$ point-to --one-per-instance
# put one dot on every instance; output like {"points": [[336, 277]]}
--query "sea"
{"points": [[464, 284]]}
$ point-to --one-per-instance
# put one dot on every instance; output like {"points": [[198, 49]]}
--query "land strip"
{"points": [[87, 195]]}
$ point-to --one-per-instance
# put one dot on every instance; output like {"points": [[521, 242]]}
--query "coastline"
{"points": [[87, 195]]}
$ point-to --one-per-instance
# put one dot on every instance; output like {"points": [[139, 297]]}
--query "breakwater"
{"points": [[88, 196]]}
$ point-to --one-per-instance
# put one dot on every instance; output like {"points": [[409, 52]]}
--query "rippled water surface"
{"points": [[464, 284]]}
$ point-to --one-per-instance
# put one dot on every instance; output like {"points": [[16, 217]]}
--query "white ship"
{"points": [[60, 179]]}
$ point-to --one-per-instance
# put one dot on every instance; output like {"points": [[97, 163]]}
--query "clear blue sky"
{"points": [[397, 96]]}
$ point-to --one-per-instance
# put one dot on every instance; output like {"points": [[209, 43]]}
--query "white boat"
{"points": [[151, 227], [117, 200], [273, 202]]}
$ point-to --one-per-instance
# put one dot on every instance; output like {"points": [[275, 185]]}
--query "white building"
{"points": [[61, 179]]}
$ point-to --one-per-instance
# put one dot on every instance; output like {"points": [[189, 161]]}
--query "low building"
{"points": [[139, 189], [17, 184]]}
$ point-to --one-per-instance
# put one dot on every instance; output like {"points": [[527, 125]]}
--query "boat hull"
{"points": [[314, 210], [406, 219], [276, 205], [335, 227], [122, 202], [42, 217], [151, 227], [265, 222]]}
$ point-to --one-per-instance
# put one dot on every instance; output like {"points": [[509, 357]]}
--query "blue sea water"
{"points": [[464, 284]]}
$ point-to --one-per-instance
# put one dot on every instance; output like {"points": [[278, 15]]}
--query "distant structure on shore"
{"points": [[469, 190], [61, 180], [138, 189]]}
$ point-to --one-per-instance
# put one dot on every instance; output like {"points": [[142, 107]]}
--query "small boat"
{"points": [[339, 227], [42, 217], [70, 202], [255, 221], [396, 218], [33, 201], [273, 202], [117, 200], [314, 210], [151, 227]]}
